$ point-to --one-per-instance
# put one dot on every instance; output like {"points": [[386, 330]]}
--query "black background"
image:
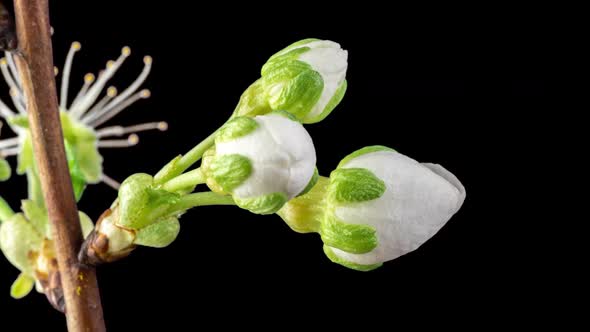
{"points": [[455, 86]]}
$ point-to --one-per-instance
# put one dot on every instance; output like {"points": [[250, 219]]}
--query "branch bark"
{"points": [[35, 64]]}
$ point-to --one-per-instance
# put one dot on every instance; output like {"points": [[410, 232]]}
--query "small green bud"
{"points": [[306, 79]]}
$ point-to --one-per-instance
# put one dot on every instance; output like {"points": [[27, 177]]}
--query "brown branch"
{"points": [[82, 299]]}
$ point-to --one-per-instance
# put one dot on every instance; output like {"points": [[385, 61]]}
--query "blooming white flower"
{"points": [[262, 161], [81, 118], [306, 79]]}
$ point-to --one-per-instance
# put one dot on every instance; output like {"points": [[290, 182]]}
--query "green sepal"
{"points": [[293, 86], [359, 267], [285, 114], [253, 101], [25, 159], [34, 188], [360, 152], [264, 204], [311, 183], [17, 239], [37, 216], [20, 120], [140, 204], [84, 146], [159, 234], [5, 170], [208, 158], [22, 286], [334, 101], [351, 185], [235, 128], [353, 238], [78, 179], [167, 171], [295, 45], [229, 171], [86, 224]]}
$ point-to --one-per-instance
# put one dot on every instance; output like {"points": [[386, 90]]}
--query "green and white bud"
{"points": [[143, 214], [377, 205], [306, 79], [262, 162]]}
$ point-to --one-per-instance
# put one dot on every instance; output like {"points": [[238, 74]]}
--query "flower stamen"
{"points": [[132, 140], [65, 77], [120, 130], [110, 181], [106, 114]]}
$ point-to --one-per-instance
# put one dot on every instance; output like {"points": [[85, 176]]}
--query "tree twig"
{"points": [[35, 63]]}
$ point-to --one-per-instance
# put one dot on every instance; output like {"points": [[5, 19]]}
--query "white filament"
{"points": [[65, 77], [120, 130]]}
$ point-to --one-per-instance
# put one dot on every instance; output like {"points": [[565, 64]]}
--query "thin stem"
{"points": [[5, 210], [201, 199], [187, 160], [35, 64], [185, 181]]}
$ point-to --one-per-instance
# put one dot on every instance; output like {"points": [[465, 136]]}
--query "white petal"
{"points": [[416, 204], [282, 156]]}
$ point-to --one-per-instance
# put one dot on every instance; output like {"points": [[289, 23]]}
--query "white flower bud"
{"points": [[262, 161], [392, 204]]}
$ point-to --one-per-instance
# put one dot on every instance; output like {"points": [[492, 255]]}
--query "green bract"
{"points": [[306, 79]]}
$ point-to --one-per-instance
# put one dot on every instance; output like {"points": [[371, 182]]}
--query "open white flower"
{"points": [[81, 118], [262, 161], [306, 79]]}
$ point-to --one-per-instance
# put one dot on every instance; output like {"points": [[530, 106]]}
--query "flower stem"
{"points": [[185, 161], [35, 65], [185, 181], [5, 210], [202, 199]]}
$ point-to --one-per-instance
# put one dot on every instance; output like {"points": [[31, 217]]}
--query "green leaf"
{"points": [[349, 185], [159, 234], [22, 286], [235, 128], [353, 238], [359, 267], [229, 171], [264, 204], [253, 101]]}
